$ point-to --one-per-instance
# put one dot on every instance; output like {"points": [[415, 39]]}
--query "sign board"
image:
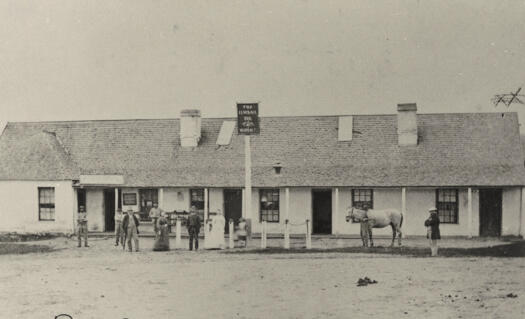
{"points": [[248, 118], [129, 199]]}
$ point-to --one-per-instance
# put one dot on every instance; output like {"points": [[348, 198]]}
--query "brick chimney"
{"points": [[407, 124], [190, 128]]}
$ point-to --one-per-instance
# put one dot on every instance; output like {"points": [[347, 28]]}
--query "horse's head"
{"points": [[355, 214]]}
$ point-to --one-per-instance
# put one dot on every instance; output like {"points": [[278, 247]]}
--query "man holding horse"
{"points": [[376, 218]]}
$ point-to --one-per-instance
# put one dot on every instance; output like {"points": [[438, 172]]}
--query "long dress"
{"points": [[162, 239], [215, 238]]}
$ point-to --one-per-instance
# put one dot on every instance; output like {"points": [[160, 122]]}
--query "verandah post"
{"points": [[286, 234], [263, 235], [230, 239], [308, 235], [178, 229]]}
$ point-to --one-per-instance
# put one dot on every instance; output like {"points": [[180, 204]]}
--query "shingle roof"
{"points": [[465, 149]]}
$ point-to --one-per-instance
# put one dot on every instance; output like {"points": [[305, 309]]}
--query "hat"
{"points": [[432, 209]]}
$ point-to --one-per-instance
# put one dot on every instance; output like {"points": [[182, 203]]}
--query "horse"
{"points": [[378, 218]]}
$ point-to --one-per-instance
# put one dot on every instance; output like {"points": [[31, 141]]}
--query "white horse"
{"points": [[378, 218]]}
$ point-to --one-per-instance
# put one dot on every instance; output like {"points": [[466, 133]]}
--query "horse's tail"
{"points": [[401, 221]]}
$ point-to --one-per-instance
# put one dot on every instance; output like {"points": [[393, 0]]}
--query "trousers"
{"points": [[194, 235], [133, 235], [433, 247], [82, 232], [119, 233]]}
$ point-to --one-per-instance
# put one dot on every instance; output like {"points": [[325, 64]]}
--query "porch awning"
{"points": [[92, 180]]}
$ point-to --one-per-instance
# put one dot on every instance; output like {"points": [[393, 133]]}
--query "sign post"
{"points": [[248, 124]]}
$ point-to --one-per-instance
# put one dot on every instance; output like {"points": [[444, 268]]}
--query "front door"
{"points": [[322, 211], [490, 212], [109, 209], [232, 206], [148, 197]]}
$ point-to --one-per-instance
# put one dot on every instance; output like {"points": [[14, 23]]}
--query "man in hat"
{"points": [[82, 226], [433, 234], [194, 225], [130, 225], [119, 232]]}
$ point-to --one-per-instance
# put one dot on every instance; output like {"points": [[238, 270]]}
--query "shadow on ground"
{"points": [[15, 248], [514, 249]]}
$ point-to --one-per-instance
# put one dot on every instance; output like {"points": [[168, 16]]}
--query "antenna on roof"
{"points": [[508, 99]]}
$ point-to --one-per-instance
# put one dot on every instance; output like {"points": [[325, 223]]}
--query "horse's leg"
{"points": [[393, 234], [399, 235], [370, 235]]}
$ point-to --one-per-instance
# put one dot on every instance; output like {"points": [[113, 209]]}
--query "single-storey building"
{"points": [[469, 165]]}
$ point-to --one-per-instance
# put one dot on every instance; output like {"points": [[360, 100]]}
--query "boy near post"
{"points": [[82, 226], [119, 232]]}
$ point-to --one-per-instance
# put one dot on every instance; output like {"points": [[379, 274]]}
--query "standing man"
{"points": [[82, 226], [154, 214], [119, 232], [433, 233], [365, 231], [194, 225], [130, 225]]}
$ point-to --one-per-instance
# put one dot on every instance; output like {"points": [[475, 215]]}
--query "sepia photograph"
{"points": [[262, 159]]}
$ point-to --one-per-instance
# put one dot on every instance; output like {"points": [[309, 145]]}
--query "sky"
{"points": [[104, 59]]}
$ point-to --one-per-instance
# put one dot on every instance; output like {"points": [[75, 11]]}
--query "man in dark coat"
{"points": [[130, 225], [433, 234], [194, 225]]}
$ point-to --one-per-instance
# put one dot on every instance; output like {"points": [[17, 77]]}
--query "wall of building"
{"points": [[510, 223], [176, 199], [216, 199], [95, 209], [19, 207]]}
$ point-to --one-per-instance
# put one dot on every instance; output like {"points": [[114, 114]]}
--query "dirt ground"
{"points": [[103, 281]]}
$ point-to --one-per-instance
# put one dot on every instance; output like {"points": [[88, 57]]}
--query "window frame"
{"points": [[360, 190], [46, 205], [265, 212], [455, 212]]}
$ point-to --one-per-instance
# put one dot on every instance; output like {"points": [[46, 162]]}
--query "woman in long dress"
{"points": [[162, 238], [215, 238]]}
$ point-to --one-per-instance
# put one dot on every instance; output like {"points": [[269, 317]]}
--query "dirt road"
{"points": [[104, 282]]}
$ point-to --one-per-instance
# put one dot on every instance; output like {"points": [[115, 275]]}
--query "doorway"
{"points": [[490, 212], [109, 209], [322, 211], [148, 197], [232, 206]]}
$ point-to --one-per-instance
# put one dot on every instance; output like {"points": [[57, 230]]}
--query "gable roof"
{"points": [[465, 149]]}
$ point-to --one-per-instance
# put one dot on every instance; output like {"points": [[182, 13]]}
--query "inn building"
{"points": [[469, 165]]}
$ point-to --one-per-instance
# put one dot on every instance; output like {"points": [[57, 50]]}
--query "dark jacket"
{"points": [[433, 222], [194, 222], [125, 223]]}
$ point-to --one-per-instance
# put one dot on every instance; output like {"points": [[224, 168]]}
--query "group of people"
{"points": [[127, 229]]}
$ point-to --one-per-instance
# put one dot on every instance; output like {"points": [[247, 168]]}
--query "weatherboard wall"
{"points": [[19, 210]]}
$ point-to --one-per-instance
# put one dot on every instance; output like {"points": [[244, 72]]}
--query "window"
{"points": [[269, 199], [197, 200], [447, 205], [363, 198], [46, 203]]}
